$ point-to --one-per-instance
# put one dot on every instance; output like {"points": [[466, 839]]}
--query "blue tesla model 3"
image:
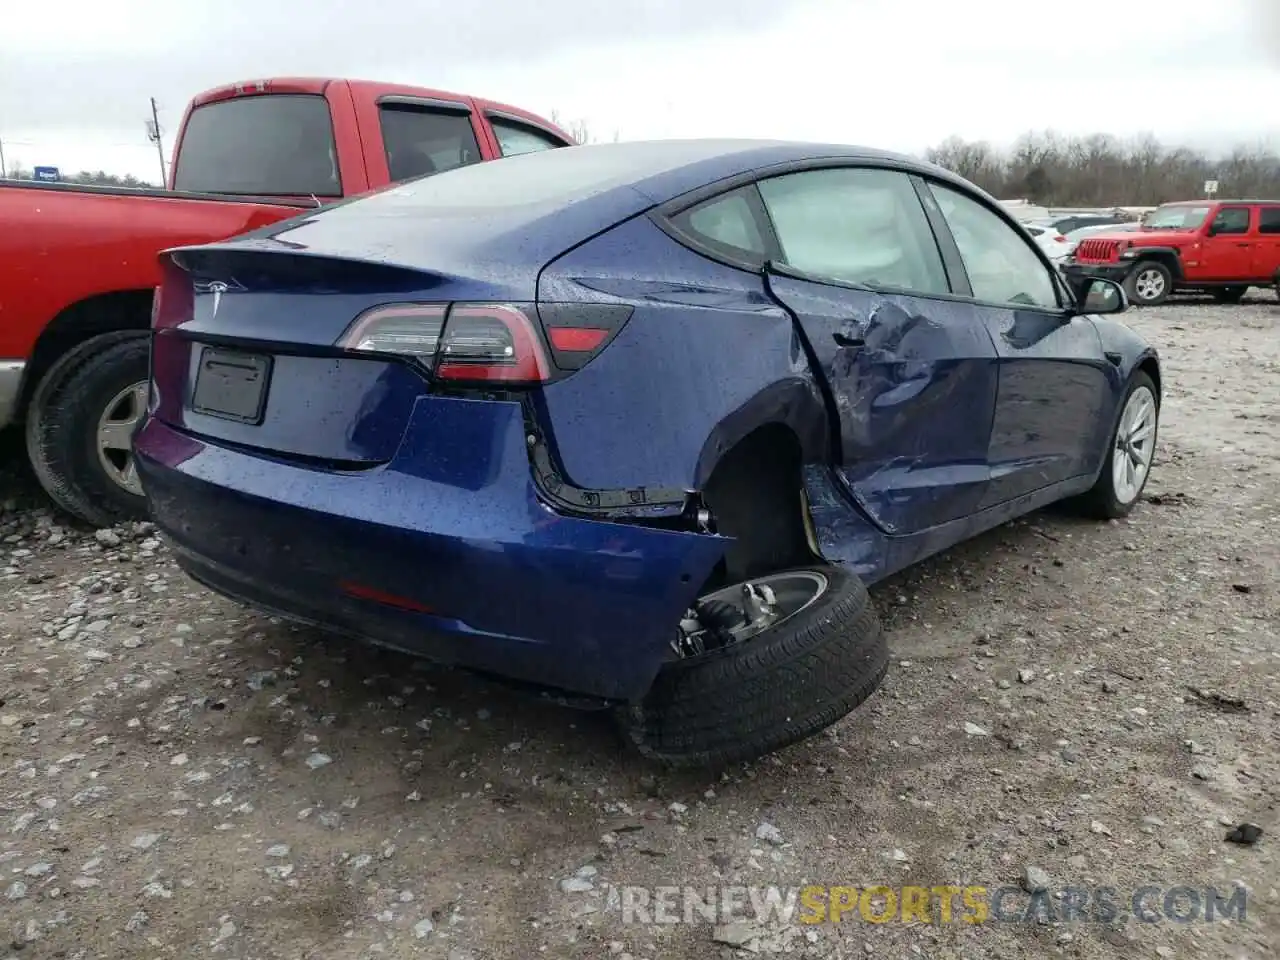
{"points": [[633, 425]]}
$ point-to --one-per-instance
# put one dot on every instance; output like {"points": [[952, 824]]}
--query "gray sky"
{"points": [[75, 77]]}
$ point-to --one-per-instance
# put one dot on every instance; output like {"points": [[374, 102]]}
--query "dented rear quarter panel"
{"points": [[706, 358]]}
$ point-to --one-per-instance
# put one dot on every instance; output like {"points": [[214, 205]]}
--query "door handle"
{"points": [[844, 340], [1244, 244]]}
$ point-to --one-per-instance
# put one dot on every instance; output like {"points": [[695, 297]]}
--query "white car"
{"points": [[1052, 242]]}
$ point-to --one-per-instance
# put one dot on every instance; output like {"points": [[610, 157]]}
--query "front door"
{"points": [[1228, 246], [1053, 375], [911, 373]]}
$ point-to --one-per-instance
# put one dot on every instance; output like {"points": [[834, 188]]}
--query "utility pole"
{"points": [[2, 173], [154, 135]]}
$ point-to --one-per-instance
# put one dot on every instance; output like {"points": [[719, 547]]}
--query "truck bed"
{"points": [[158, 193]]}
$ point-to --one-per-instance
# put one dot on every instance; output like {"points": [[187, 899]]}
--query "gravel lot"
{"points": [[180, 777]]}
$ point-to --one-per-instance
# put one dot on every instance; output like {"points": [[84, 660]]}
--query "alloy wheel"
{"points": [[1134, 445], [1149, 284], [116, 426]]}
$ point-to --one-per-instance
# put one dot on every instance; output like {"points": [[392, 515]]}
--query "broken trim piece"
{"points": [[626, 503]]}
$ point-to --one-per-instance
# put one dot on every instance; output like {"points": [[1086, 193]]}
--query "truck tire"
{"points": [[743, 700], [79, 425], [1229, 294], [1149, 283]]}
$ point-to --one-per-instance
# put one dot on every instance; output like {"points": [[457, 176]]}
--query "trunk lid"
{"points": [[244, 352]]}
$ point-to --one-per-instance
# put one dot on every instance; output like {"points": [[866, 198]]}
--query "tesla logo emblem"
{"points": [[217, 288]]}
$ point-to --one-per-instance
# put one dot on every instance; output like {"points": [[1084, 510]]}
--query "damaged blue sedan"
{"points": [[633, 425]]}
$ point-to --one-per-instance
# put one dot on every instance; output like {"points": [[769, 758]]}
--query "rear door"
{"points": [[1053, 376], [1266, 250], [1229, 244], [910, 371]]}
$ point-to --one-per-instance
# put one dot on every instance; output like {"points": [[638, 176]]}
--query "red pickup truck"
{"points": [[78, 264], [1219, 246]]}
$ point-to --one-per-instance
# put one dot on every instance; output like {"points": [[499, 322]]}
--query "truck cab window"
{"points": [[274, 145], [419, 140], [517, 138]]}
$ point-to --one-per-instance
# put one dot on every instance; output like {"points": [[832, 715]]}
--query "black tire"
{"points": [[1229, 294], [1131, 283], [62, 425], [1101, 500], [749, 699]]}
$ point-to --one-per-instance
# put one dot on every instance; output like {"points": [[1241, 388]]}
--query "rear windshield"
{"points": [[545, 178], [265, 145]]}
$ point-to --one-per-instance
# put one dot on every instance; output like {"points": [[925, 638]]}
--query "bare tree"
{"points": [[579, 129], [1101, 170]]}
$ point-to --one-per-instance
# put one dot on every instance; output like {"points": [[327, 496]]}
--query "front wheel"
{"points": [[1130, 454], [1149, 284], [759, 665], [80, 428]]}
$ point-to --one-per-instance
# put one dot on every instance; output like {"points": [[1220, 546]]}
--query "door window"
{"points": [[857, 225], [516, 138], [1269, 220], [420, 141], [1002, 266], [1231, 220]]}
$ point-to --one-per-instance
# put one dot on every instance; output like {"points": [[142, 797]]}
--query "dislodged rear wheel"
{"points": [[759, 665]]}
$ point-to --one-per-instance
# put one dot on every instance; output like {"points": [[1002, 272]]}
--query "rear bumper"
{"points": [[10, 388], [434, 554]]}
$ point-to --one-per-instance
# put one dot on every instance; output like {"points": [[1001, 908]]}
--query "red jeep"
{"points": [[1222, 247]]}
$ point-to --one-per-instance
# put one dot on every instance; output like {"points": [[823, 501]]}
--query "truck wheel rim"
{"points": [[1149, 284], [1135, 445], [737, 613], [116, 426]]}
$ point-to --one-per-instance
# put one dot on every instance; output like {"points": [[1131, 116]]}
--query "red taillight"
{"points": [[489, 343], [577, 339], [1060, 238]]}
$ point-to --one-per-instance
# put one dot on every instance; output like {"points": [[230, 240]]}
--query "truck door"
{"points": [[1266, 250], [1228, 245]]}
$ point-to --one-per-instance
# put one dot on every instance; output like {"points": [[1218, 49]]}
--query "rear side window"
{"points": [[725, 223], [517, 138], [420, 140], [1269, 221], [855, 225], [265, 145]]}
